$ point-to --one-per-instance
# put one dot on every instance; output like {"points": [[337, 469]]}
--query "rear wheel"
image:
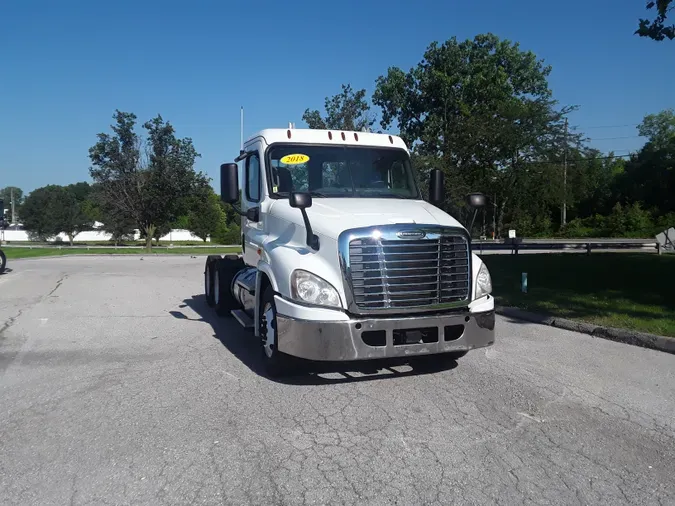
{"points": [[276, 363], [224, 271], [209, 271], [3, 261]]}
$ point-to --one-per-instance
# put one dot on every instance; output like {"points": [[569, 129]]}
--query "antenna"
{"points": [[241, 129]]}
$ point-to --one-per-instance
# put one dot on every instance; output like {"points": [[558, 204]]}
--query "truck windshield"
{"points": [[342, 171]]}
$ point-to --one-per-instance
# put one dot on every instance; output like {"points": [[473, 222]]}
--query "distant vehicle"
{"points": [[342, 258]]}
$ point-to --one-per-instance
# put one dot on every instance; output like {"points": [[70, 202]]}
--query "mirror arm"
{"points": [[475, 213], [237, 209], [312, 239], [242, 156]]}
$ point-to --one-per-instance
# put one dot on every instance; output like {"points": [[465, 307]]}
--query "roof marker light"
{"points": [[288, 133], [391, 139], [356, 136], [330, 135], [343, 136]]}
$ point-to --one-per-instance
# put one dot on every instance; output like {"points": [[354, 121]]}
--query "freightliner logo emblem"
{"points": [[411, 234]]}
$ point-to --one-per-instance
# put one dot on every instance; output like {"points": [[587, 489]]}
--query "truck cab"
{"points": [[342, 258]]}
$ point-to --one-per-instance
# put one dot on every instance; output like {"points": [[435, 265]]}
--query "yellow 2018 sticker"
{"points": [[294, 159]]}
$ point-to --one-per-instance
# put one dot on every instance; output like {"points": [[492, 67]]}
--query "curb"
{"points": [[642, 339]]}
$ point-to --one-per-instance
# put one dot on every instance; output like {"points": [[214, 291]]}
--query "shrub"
{"points": [[227, 234]]}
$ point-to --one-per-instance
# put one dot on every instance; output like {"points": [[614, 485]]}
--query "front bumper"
{"points": [[378, 338]]}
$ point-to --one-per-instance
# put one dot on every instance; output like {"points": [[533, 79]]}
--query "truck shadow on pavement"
{"points": [[244, 346]]}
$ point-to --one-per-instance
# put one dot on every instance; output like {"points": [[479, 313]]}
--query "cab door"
{"points": [[252, 196]]}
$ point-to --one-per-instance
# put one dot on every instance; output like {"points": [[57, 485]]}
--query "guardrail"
{"points": [[585, 245], [479, 246]]}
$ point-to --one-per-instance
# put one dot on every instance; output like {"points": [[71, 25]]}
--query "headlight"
{"points": [[483, 282], [309, 288]]}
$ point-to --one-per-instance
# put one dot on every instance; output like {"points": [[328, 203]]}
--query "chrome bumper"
{"points": [[344, 340]]}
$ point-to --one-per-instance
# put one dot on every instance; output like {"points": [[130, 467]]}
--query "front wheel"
{"points": [[276, 363], [3, 261]]}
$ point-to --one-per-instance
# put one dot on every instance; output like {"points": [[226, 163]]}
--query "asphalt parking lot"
{"points": [[118, 385]]}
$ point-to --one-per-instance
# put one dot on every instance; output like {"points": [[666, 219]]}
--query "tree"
{"points": [[482, 110], [51, 210], [145, 181], [656, 29], [659, 128], [649, 178], [72, 211], [206, 215], [118, 224], [345, 111], [37, 212]]}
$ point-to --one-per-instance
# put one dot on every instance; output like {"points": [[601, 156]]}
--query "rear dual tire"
{"points": [[218, 275], [224, 272], [209, 275]]}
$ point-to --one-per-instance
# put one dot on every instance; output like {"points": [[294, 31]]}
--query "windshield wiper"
{"points": [[312, 193], [388, 195]]}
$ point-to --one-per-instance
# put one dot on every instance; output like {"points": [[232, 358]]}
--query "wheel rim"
{"points": [[267, 330], [216, 288], [207, 281]]}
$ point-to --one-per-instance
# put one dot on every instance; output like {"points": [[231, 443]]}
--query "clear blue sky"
{"points": [[67, 65]]}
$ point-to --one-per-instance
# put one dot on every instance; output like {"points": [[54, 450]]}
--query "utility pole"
{"points": [[13, 212], [563, 220], [494, 218]]}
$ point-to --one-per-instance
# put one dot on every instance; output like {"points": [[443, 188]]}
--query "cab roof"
{"points": [[316, 136]]}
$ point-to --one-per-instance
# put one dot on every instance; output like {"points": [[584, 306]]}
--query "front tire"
{"points": [[3, 261], [276, 363]]}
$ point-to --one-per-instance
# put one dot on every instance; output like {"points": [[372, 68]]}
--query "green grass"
{"points": [[140, 244], [21, 252], [624, 290]]}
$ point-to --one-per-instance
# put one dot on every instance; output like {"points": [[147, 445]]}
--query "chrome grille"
{"points": [[408, 273]]}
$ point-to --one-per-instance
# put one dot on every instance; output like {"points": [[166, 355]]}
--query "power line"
{"points": [[614, 138], [611, 126]]}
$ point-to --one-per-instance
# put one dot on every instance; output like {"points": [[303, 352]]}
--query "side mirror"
{"points": [[300, 200], [475, 200], [436, 187], [229, 183]]}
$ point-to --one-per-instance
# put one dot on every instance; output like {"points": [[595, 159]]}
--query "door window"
{"points": [[253, 178]]}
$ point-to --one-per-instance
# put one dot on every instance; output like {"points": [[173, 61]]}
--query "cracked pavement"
{"points": [[119, 386]]}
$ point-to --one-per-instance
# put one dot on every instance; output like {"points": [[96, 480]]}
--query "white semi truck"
{"points": [[342, 259]]}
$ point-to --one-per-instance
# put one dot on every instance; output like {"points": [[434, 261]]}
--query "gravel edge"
{"points": [[642, 339]]}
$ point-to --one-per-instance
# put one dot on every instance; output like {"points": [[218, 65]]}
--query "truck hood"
{"points": [[329, 217]]}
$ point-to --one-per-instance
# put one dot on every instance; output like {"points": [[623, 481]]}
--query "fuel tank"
{"points": [[243, 285]]}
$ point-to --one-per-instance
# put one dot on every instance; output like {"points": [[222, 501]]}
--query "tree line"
{"points": [[482, 111], [145, 183]]}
